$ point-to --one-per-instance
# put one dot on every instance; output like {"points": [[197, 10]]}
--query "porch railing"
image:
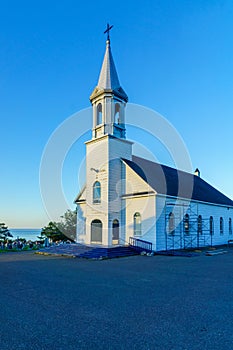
{"points": [[140, 245]]}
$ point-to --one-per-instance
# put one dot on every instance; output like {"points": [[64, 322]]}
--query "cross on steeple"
{"points": [[108, 30]]}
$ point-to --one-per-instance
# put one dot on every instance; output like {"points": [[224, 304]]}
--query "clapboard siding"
{"points": [[117, 149], [146, 207], [96, 170], [194, 209], [134, 183], [103, 164]]}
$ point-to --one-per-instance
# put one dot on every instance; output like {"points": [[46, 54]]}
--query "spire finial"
{"points": [[107, 31]]}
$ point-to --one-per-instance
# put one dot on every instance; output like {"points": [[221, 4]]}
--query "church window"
{"points": [[186, 224], [171, 223], [137, 224], [199, 225], [97, 192], [211, 225], [230, 226], [221, 226], [99, 114], [117, 114]]}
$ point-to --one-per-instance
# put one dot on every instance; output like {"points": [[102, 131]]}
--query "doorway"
{"points": [[96, 231], [115, 232]]}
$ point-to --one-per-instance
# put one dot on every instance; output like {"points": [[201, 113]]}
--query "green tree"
{"points": [[68, 224], [4, 232], [52, 232], [62, 230]]}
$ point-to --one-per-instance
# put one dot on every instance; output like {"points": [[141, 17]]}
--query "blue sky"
{"points": [[172, 56]]}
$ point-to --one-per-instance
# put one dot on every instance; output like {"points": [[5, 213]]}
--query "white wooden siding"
{"points": [[146, 207], [103, 164], [198, 208]]}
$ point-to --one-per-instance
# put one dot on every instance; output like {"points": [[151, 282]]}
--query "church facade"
{"points": [[128, 196]]}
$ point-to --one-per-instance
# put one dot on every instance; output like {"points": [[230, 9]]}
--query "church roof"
{"points": [[108, 78], [165, 180]]}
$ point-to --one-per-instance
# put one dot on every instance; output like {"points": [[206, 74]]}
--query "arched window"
{"points": [[186, 224], [137, 224], [99, 114], [221, 226], [230, 226], [97, 192], [171, 224], [211, 225], [117, 113], [199, 225]]}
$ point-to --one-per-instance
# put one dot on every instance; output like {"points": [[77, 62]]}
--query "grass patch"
{"points": [[25, 249]]}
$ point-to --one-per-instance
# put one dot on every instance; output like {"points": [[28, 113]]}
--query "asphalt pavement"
{"points": [[137, 302]]}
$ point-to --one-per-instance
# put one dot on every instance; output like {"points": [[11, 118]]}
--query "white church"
{"points": [[131, 199]]}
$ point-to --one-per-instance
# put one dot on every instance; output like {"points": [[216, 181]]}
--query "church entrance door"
{"points": [[115, 232], [96, 231]]}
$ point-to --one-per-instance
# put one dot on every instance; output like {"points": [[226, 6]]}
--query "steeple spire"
{"points": [[108, 99], [108, 78]]}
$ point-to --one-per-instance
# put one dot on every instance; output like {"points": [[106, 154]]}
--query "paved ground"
{"points": [[129, 303]]}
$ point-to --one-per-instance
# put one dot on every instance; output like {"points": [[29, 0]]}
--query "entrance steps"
{"points": [[89, 252]]}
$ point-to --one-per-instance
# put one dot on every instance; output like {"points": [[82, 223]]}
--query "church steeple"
{"points": [[108, 78], [108, 99], [105, 170]]}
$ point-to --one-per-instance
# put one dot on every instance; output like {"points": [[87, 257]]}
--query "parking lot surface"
{"points": [[138, 302]]}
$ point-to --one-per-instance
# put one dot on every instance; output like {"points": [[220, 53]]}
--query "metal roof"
{"points": [[172, 182]]}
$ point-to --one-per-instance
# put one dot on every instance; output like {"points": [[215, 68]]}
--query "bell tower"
{"points": [[105, 171], [108, 100]]}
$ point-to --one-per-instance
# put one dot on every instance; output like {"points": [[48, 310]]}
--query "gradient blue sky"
{"points": [[172, 56]]}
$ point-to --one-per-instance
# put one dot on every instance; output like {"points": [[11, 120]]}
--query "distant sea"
{"points": [[30, 234]]}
